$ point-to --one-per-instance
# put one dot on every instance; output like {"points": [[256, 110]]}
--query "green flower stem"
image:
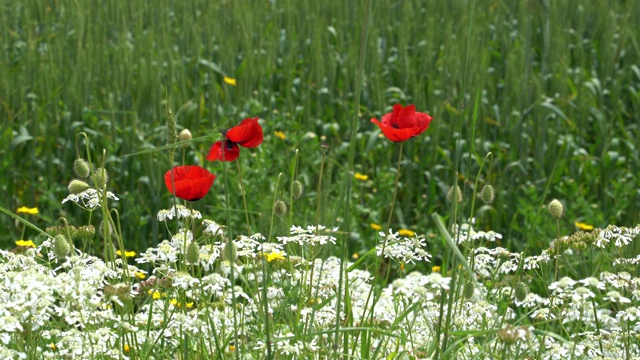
{"points": [[244, 198], [384, 245]]}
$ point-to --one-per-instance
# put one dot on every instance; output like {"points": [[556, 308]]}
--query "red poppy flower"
{"points": [[403, 123], [191, 182], [247, 134]]}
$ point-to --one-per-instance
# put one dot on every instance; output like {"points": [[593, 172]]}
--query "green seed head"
{"points": [[469, 289], [454, 194], [488, 194], [193, 253], [555, 209], [81, 168], [296, 189], [77, 186], [280, 208], [522, 290], [61, 247]]}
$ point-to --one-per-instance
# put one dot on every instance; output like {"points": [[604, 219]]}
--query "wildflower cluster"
{"points": [[401, 248]]}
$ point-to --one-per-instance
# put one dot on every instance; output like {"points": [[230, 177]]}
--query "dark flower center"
{"points": [[395, 126]]}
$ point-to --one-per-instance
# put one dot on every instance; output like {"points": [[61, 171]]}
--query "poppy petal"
{"points": [[190, 183], [248, 133], [396, 135], [223, 150], [403, 123]]}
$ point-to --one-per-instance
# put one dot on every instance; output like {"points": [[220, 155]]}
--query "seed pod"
{"points": [[81, 168], [77, 186], [488, 194], [230, 251], [296, 189], [454, 194], [522, 290], [468, 291], [101, 178], [61, 246], [280, 208], [193, 253]]}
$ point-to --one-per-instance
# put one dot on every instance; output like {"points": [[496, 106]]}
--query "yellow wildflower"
{"points": [[361, 177], [229, 80], [126, 348], [26, 210], [27, 243], [406, 233], [126, 253], [52, 346], [156, 294], [376, 227], [178, 304], [583, 226], [280, 135], [435, 269], [140, 275], [355, 256], [275, 255]]}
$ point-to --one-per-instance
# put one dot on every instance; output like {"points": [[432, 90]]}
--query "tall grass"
{"points": [[557, 81]]}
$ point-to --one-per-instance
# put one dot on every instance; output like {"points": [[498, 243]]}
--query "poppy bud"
{"points": [[454, 194], [109, 225], [193, 253], [468, 291], [296, 189], [230, 251], [81, 168], [185, 135], [555, 209], [280, 208], [488, 194], [61, 246], [101, 178], [522, 290], [77, 186]]}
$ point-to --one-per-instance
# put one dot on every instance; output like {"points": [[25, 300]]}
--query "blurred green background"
{"points": [[557, 83]]}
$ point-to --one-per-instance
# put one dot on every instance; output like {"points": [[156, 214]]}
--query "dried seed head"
{"points": [[488, 194], [185, 135], [296, 189], [77, 186], [86, 232], [556, 210], [81, 168], [324, 148]]}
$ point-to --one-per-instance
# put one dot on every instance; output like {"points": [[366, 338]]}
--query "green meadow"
{"points": [[537, 99]]}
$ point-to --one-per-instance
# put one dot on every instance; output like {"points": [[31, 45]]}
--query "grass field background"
{"points": [[557, 85]]}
